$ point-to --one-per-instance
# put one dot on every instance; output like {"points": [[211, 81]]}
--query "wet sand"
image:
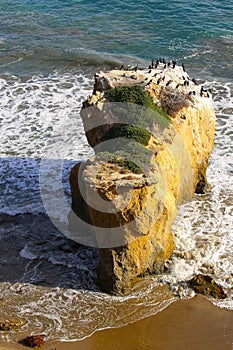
{"points": [[193, 324]]}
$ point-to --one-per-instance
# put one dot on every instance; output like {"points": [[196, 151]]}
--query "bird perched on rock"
{"points": [[169, 82], [173, 63], [149, 82], [201, 91], [183, 67], [192, 93]]}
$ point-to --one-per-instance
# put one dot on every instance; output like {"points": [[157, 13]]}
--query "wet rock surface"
{"points": [[206, 285], [33, 341]]}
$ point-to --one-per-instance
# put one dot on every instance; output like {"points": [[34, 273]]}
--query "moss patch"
{"points": [[135, 96], [130, 132], [123, 157]]}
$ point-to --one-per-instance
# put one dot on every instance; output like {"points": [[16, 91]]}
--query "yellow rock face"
{"points": [[132, 213]]}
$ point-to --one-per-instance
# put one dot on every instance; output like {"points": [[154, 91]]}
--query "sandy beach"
{"points": [[194, 324]]}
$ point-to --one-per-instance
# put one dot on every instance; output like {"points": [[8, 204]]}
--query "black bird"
{"points": [[173, 63], [160, 60], [177, 86], [183, 67], [121, 67], [152, 64], [136, 68], [157, 62], [192, 93], [165, 66], [183, 78], [194, 81], [156, 65], [168, 64], [163, 78], [169, 82], [158, 81], [149, 66], [183, 117], [149, 71], [164, 60], [149, 82]]}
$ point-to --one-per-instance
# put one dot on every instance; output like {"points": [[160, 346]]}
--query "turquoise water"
{"points": [[38, 36], [49, 52]]}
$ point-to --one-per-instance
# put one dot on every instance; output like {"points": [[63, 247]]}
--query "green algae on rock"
{"points": [[11, 325]]}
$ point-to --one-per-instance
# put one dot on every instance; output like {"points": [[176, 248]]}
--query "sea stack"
{"points": [[152, 143]]}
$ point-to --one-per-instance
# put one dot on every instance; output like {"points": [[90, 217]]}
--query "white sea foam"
{"points": [[70, 315], [41, 112], [36, 116]]}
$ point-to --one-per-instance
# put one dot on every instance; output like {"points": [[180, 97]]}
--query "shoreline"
{"points": [[194, 324]]}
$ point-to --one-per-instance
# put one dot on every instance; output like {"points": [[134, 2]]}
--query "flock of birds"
{"points": [[156, 68]]}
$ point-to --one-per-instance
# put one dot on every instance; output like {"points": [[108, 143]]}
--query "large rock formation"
{"points": [[149, 158]]}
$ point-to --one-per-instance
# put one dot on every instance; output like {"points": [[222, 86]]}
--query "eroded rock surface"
{"points": [[206, 285], [131, 207]]}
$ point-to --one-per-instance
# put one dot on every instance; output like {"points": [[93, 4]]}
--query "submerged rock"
{"points": [[152, 132], [206, 285], [11, 325], [33, 341]]}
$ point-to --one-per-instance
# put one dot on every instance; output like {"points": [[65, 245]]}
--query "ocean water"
{"points": [[49, 52]]}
